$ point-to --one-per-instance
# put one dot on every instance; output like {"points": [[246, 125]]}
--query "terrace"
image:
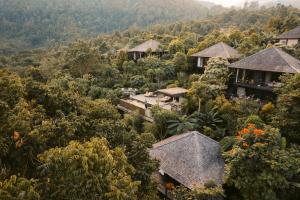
{"points": [[167, 99]]}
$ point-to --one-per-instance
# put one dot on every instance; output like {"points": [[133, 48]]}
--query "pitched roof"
{"points": [[219, 50], [271, 60], [192, 159], [292, 34], [144, 47], [176, 91]]}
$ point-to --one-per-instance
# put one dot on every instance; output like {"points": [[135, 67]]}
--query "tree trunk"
{"points": [[199, 105]]}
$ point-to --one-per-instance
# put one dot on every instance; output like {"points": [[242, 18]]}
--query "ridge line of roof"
{"points": [[197, 147], [285, 35], [251, 56], [181, 136], [224, 47], [289, 64], [184, 135], [205, 136]]}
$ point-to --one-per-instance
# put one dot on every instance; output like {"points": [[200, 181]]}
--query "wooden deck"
{"points": [[254, 86]]}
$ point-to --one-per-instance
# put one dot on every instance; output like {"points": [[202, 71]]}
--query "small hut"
{"points": [[221, 50], [140, 51], [190, 160], [290, 38]]}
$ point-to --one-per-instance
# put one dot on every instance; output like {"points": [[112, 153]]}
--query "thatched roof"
{"points": [[292, 34], [219, 50], [270, 60], [144, 47], [192, 159], [173, 92]]}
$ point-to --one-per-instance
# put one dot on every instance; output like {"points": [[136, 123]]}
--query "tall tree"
{"points": [[287, 113], [212, 83], [87, 171], [260, 166]]}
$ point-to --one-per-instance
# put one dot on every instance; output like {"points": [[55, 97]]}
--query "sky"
{"points": [[229, 3]]}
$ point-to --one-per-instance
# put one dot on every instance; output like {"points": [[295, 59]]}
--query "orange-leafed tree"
{"points": [[260, 166]]}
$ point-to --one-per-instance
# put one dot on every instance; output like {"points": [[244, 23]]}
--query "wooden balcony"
{"points": [[262, 87]]}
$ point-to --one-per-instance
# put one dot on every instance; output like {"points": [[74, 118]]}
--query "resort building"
{"points": [[290, 38], [149, 47], [221, 50], [191, 160], [258, 74]]}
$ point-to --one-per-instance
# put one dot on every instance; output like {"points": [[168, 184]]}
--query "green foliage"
{"points": [[212, 83], [180, 62], [134, 121], [11, 87], [17, 188], [288, 108], [87, 171], [161, 119], [176, 46], [81, 59], [85, 19], [181, 125], [254, 119], [259, 167], [137, 148], [51, 97], [205, 193]]}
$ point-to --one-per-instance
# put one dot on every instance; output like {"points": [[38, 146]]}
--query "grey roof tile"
{"points": [[192, 159], [219, 50], [271, 59]]}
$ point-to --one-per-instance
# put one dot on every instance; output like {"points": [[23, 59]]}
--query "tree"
{"points": [[209, 121], [17, 188], [161, 119], [11, 86], [180, 62], [176, 46], [87, 171], [81, 59], [287, 113], [212, 83], [201, 193], [260, 166], [137, 147], [182, 124]]}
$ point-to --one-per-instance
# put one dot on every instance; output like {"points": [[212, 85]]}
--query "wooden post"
{"points": [[244, 74], [237, 76]]}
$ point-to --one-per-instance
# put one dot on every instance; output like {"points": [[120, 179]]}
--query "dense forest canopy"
{"points": [[34, 23], [62, 136]]}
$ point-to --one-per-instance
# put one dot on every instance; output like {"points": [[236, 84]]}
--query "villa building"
{"points": [[258, 74], [290, 38], [191, 160], [149, 47], [221, 50]]}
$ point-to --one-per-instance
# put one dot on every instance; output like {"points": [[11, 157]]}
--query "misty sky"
{"points": [[232, 2]]}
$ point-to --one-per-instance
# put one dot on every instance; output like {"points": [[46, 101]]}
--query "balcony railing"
{"points": [[259, 86]]}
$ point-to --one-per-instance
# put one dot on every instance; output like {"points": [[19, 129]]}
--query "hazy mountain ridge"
{"points": [[38, 22], [294, 3]]}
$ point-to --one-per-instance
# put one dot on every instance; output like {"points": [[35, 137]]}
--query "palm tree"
{"points": [[182, 124], [209, 118]]}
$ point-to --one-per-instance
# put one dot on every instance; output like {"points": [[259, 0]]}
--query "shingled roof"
{"points": [[270, 60], [144, 47], [292, 34], [219, 50], [192, 159]]}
